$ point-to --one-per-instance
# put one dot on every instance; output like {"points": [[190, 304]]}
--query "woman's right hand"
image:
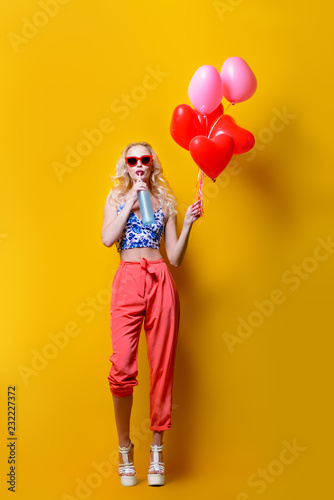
{"points": [[137, 186]]}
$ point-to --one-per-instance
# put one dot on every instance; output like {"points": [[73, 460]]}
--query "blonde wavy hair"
{"points": [[158, 185]]}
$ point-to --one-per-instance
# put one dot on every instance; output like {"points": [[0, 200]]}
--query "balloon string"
{"points": [[228, 106], [200, 177], [199, 183]]}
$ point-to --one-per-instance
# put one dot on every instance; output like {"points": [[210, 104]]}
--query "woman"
{"points": [[143, 290]]}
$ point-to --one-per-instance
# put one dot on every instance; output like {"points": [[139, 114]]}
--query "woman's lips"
{"points": [[139, 172]]}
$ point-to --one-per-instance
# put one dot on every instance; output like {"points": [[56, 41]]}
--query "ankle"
{"points": [[157, 441], [124, 443]]}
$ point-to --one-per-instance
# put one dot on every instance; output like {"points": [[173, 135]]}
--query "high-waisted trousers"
{"points": [[145, 291]]}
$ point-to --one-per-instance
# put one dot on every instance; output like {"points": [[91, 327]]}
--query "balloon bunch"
{"points": [[211, 136]]}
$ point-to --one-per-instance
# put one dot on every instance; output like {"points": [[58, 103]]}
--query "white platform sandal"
{"points": [[127, 471], [156, 472]]}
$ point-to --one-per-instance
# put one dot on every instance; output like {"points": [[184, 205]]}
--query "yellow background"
{"points": [[234, 411]]}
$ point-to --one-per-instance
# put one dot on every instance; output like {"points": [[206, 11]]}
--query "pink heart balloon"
{"points": [[238, 79], [205, 89]]}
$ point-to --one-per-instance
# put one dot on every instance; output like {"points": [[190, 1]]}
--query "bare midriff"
{"points": [[136, 254]]}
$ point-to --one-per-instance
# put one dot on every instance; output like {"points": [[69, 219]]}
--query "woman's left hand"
{"points": [[193, 213]]}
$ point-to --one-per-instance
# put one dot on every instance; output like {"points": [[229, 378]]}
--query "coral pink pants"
{"points": [[145, 291]]}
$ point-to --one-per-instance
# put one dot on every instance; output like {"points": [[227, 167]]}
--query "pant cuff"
{"points": [[122, 393], [160, 428]]}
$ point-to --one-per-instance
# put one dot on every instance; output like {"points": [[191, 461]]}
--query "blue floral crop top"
{"points": [[138, 235]]}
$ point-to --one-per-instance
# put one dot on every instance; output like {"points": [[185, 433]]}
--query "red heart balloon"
{"points": [[243, 139], [207, 121], [184, 125], [212, 155]]}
